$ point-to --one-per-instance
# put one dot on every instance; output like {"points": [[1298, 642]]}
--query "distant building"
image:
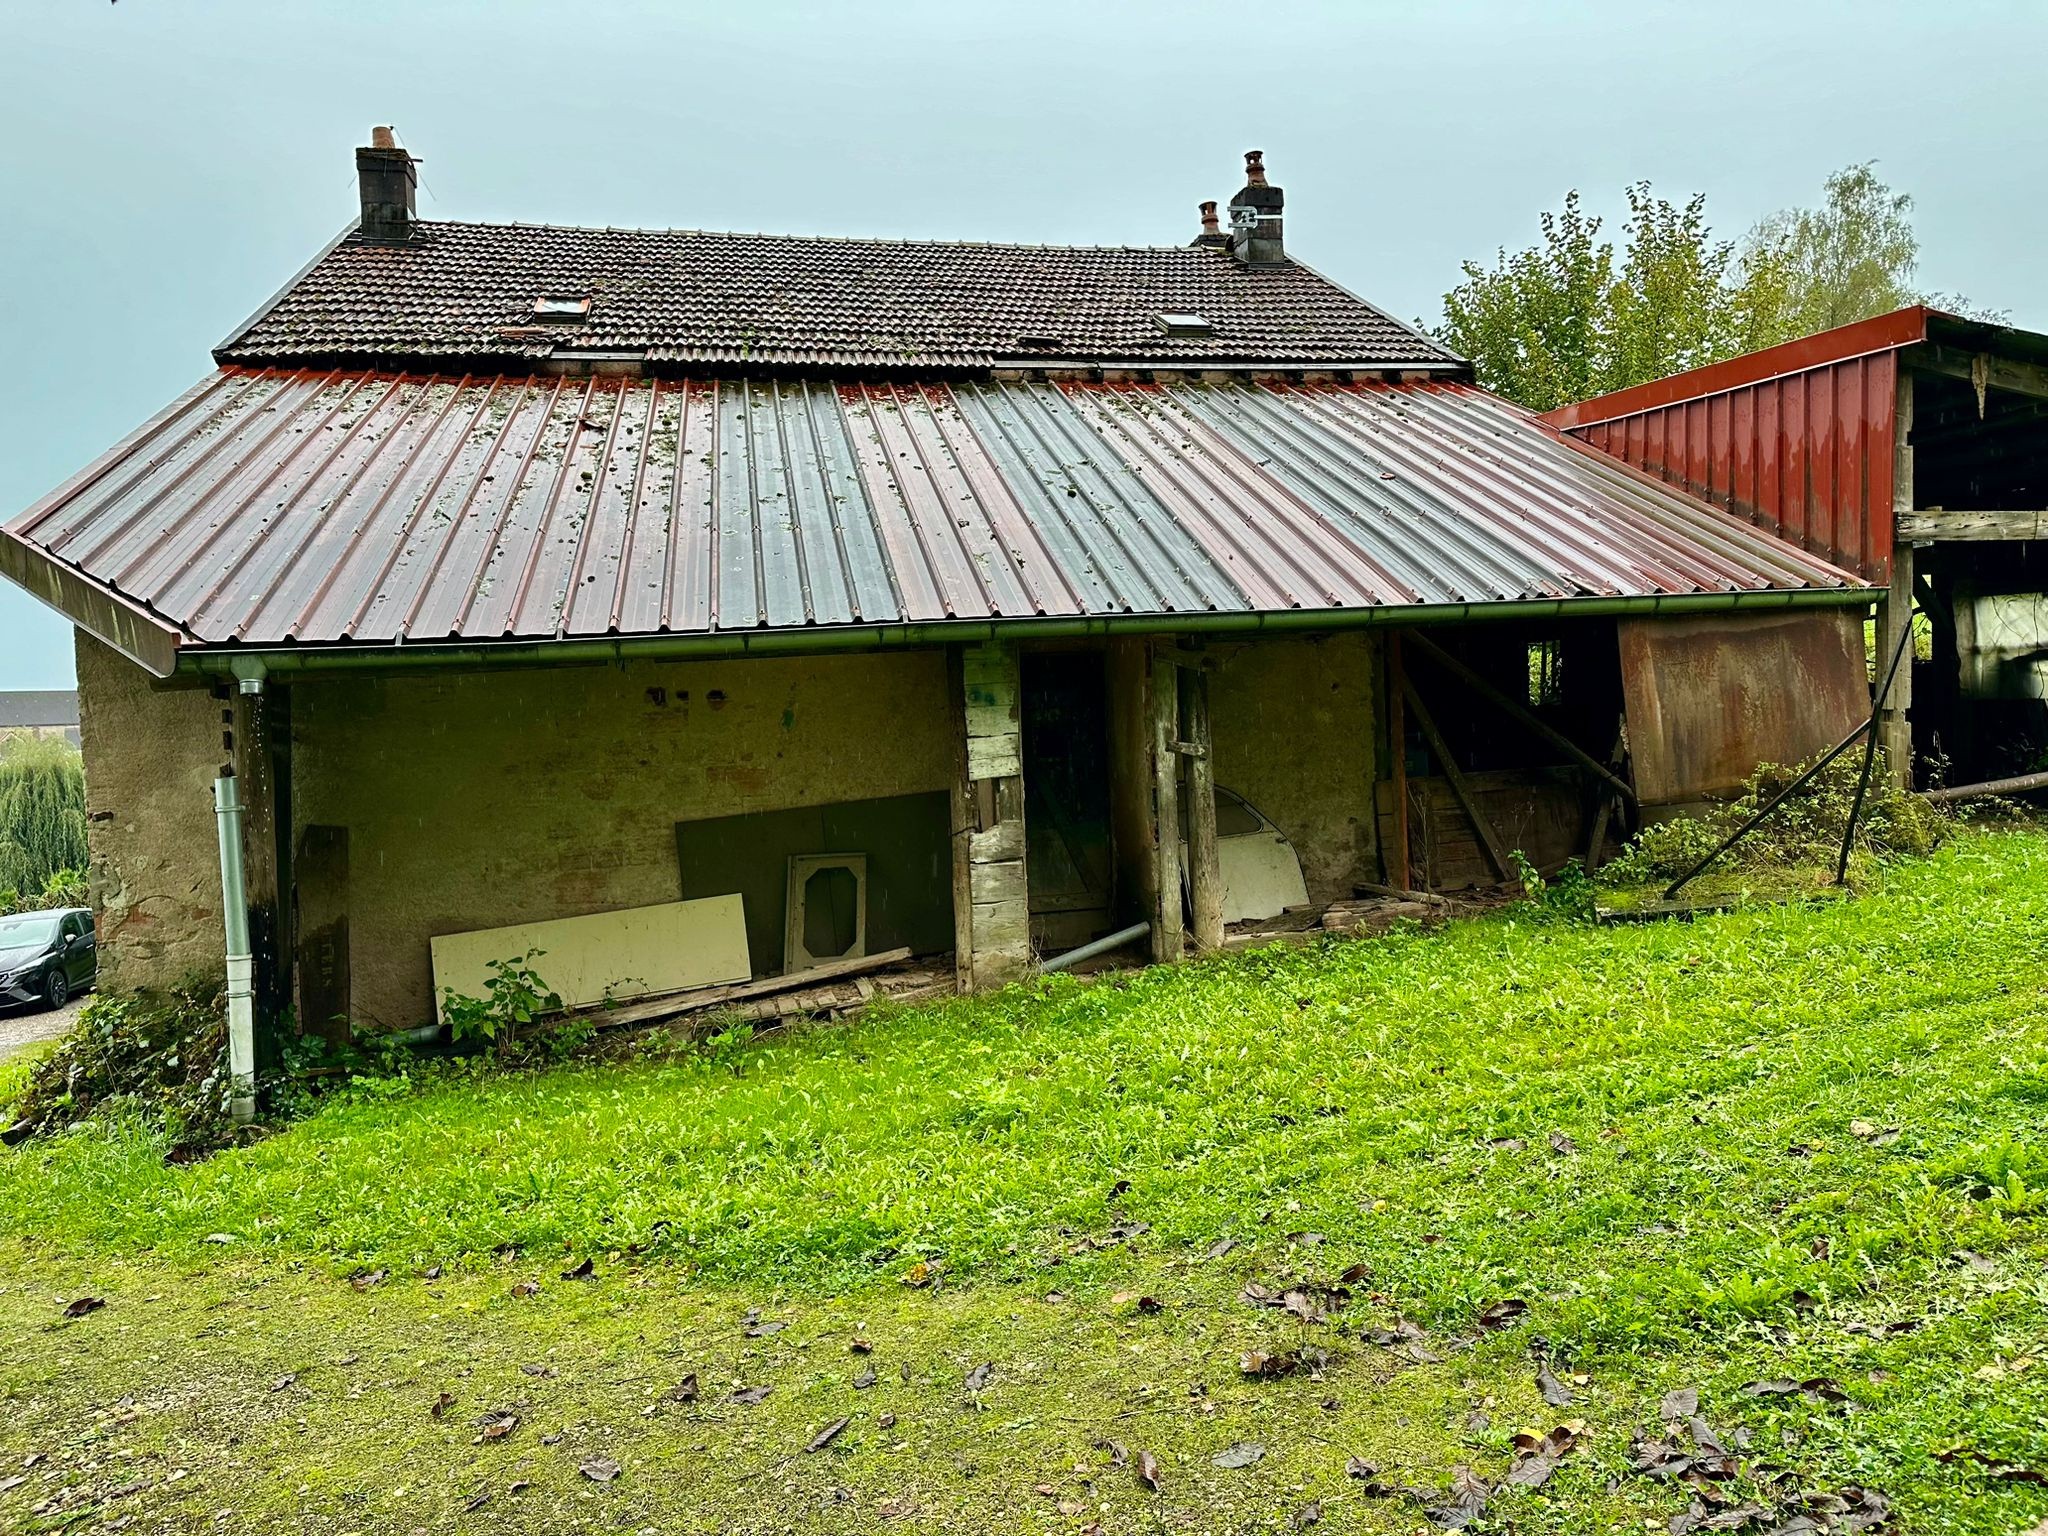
{"points": [[39, 712]]}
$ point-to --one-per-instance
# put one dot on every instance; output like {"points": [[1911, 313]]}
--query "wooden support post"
{"points": [[1163, 704], [262, 736], [991, 892], [1895, 613], [1205, 868], [1397, 863], [1496, 853]]}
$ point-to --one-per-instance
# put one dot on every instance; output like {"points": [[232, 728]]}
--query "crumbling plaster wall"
{"points": [[151, 754], [1294, 723], [481, 799]]}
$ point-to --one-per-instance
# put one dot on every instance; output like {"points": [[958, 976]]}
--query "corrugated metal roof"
{"points": [[280, 508]]}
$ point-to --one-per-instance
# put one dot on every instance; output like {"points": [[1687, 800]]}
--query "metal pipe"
{"points": [[227, 812], [1671, 891], [1094, 947], [2013, 786], [209, 662], [1870, 751]]}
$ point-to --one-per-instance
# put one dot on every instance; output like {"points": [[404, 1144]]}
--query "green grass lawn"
{"points": [[1784, 1145]]}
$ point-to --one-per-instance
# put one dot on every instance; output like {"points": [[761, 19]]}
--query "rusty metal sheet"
{"points": [[1711, 697], [283, 507]]}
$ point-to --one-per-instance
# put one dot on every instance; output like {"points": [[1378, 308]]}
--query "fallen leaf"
{"points": [[477, 1502], [827, 1435], [750, 1395], [1562, 1144], [1863, 1130], [1537, 1456], [537, 1370], [920, 1274], [860, 1347], [1148, 1470], [1306, 1239], [1219, 1248], [1151, 1304], [1462, 1504], [441, 1405], [1554, 1391], [887, 1421], [364, 1282], [1306, 1516], [526, 1288], [865, 1379], [765, 1330], [896, 1508], [1360, 1470], [283, 1381], [599, 1469], [496, 1426], [1244, 1453], [1680, 1403], [1354, 1274], [433, 1272], [685, 1391], [83, 1305], [587, 1270], [1506, 1143], [981, 1375], [1502, 1314]]}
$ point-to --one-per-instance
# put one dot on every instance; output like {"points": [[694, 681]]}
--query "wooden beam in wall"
{"points": [[1163, 703], [1205, 867], [1970, 527], [1980, 368], [1895, 613], [1397, 862], [262, 734]]}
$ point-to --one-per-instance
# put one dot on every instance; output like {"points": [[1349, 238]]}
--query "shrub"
{"points": [[1804, 832]]}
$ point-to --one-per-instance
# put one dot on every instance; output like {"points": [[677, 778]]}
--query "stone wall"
{"points": [[151, 754], [1294, 722], [482, 799]]}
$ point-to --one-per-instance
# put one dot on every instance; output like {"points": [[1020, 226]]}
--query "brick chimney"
{"points": [[1211, 234], [1255, 217], [385, 174]]}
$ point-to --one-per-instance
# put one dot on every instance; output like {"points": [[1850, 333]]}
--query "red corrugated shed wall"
{"points": [[1807, 455]]}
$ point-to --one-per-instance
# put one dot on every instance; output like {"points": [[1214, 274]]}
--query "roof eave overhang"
{"points": [[215, 661], [141, 636]]}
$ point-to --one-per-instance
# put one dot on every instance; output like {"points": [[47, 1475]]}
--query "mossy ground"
{"points": [[1796, 1142]]}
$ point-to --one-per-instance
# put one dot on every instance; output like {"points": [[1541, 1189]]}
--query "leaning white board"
{"points": [[631, 953]]}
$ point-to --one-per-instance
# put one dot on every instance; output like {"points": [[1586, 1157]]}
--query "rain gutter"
{"points": [[256, 662]]}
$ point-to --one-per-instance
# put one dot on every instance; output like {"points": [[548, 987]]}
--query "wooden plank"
{"points": [[1996, 372], [1164, 701], [1895, 615], [321, 947], [1004, 841], [998, 881], [994, 757], [960, 792], [256, 755], [1398, 866], [667, 947], [1970, 527], [1524, 715], [670, 1004], [1205, 865], [1488, 838]]}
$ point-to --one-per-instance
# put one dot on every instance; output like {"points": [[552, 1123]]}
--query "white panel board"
{"points": [[630, 953]]}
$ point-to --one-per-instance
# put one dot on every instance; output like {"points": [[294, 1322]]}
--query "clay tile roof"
{"points": [[458, 293]]}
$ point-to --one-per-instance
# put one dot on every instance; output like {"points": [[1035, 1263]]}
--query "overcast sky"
{"points": [[170, 163]]}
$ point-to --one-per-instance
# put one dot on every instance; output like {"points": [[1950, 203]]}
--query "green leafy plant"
{"points": [[726, 1048], [514, 996]]}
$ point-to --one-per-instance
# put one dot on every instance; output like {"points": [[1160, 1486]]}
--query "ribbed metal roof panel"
{"points": [[280, 507]]}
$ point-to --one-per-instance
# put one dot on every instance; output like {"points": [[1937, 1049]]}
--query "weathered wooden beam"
{"points": [[1523, 714], [1496, 853], [1205, 864], [1978, 367], [257, 750], [1895, 614], [1397, 863], [998, 926], [1970, 527], [1163, 704], [963, 821]]}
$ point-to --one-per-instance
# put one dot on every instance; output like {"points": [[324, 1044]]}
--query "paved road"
{"points": [[21, 1027]]}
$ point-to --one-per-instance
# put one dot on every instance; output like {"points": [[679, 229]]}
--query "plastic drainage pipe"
{"points": [[227, 815], [1101, 946]]}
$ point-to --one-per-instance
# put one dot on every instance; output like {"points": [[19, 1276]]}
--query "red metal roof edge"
{"points": [[1880, 333]]}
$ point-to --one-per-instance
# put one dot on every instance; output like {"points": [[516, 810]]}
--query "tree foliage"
{"points": [[42, 814], [1571, 317]]}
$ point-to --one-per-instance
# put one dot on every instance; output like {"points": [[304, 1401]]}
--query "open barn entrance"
{"points": [[1066, 796]]}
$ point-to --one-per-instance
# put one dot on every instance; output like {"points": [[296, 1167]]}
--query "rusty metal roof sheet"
{"points": [[460, 292], [274, 508]]}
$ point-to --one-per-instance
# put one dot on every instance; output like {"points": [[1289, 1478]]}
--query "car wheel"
{"points": [[56, 990]]}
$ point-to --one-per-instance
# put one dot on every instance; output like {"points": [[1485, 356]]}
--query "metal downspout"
{"points": [[227, 811]]}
